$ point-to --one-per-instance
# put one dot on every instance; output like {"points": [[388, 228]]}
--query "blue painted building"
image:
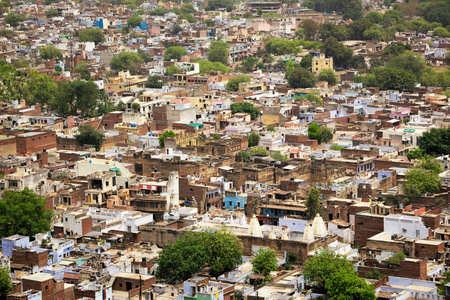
{"points": [[8, 243], [234, 199]]}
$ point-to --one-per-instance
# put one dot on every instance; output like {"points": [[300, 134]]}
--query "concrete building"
{"points": [[321, 63]]}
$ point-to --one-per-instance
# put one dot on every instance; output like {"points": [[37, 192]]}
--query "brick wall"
{"points": [[366, 227], [36, 143]]}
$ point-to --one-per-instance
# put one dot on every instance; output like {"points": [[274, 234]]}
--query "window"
{"points": [[46, 287], [67, 220]]}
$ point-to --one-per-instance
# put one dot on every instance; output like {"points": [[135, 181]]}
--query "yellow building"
{"points": [[320, 63], [124, 82]]}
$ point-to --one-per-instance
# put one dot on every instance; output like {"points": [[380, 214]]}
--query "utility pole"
{"points": [[140, 287]]}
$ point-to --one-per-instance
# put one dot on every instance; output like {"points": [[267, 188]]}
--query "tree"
{"points": [[245, 156], [158, 12], [174, 52], [428, 162], [126, 61], [306, 61], [134, 21], [271, 128], [328, 30], [216, 137], [215, 4], [51, 13], [23, 213], [441, 288], [340, 53], [336, 147], [415, 154], [178, 261], [310, 28], [41, 88], [223, 249], [393, 78], [314, 132], [253, 139], [342, 285], [187, 17], [374, 17], [265, 262], [172, 69], [258, 150], [435, 142], [245, 107], [219, 249], [408, 61], [326, 135], [5, 282], [218, 52], [313, 203], [176, 29], [279, 156], [420, 181], [207, 67], [249, 63], [135, 106], [14, 20], [50, 52], [76, 96], [188, 8], [278, 46], [319, 269], [233, 83], [260, 12], [411, 8], [166, 134], [88, 135], [329, 76], [300, 78], [83, 71], [154, 82], [92, 35]]}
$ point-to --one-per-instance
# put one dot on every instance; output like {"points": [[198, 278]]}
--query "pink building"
{"points": [[401, 113], [261, 26]]}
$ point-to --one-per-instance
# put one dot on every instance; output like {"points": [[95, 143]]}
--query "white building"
{"points": [[407, 226]]}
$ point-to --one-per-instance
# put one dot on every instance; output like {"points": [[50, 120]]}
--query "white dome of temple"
{"points": [[243, 221], [318, 226], [308, 235], [284, 236], [255, 228], [272, 235]]}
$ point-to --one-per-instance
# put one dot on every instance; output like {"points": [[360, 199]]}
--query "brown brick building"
{"points": [[35, 141], [51, 288]]}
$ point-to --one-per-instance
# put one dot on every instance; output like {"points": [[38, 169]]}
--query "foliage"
{"points": [[271, 128], [313, 204], [126, 61], [408, 61], [326, 135], [319, 269], [435, 142], [14, 20], [7, 32], [245, 107], [336, 147], [233, 84], [270, 15], [258, 150], [430, 163], [420, 181], [50, 52], [209, 23], [134, 21], [51, 13], [306, 61], [187, 17], [95, 35], [329, 76], [328, 30], [396, 49], [279, 156], [249, 63], [215, 4], [23, 213], [391, 79], [340, 53], [5, 282], [350, 8], [207, 67], [253, 139], [300, 78], [314, 131], [219, 249], [218, 52], [172, 69], [441, 288], [75, 97], [216, 136], [154, 82], [245, 156], [265, 261], [279, 46], [88, 135], [437, 11], [14, 83], [166, 134], [135, 106], [310, 28], [342, 285], [176, 29], [41, 88], [188, 8], [174, 52], [396, 258], [157, 12]]}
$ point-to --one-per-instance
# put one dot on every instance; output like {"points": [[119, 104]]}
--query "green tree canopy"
{"points": [[75, 97], [188, 8], [14, 20], [166, 134], [351, 9], [306, 61], [50, 52], [126, 61], [341, 285], [176, 29], [23, 213], [313, 204], [134, 21], [258, 150], [154, 82], [207, 67], [340, 53], [326, 135], [42, 88], [5, 282], [88, 135], [215, 4], [415, 154], [314, 131], [420, 181], [279, 46], [174, 52], [253, 139], [245, 156], [435, 142], [408, 61], [218, 248], [310, 28], [265, 261], [172, 69], [338, 32], [245, 107], [95, 35], [329, 76], [51, 13], [218, 52], [277, 155], [300, 78], [233, 83]]}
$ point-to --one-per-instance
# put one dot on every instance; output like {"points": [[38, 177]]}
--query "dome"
{"points": [[318, 226], [272, 235], [254, 229], [308, 235]]}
